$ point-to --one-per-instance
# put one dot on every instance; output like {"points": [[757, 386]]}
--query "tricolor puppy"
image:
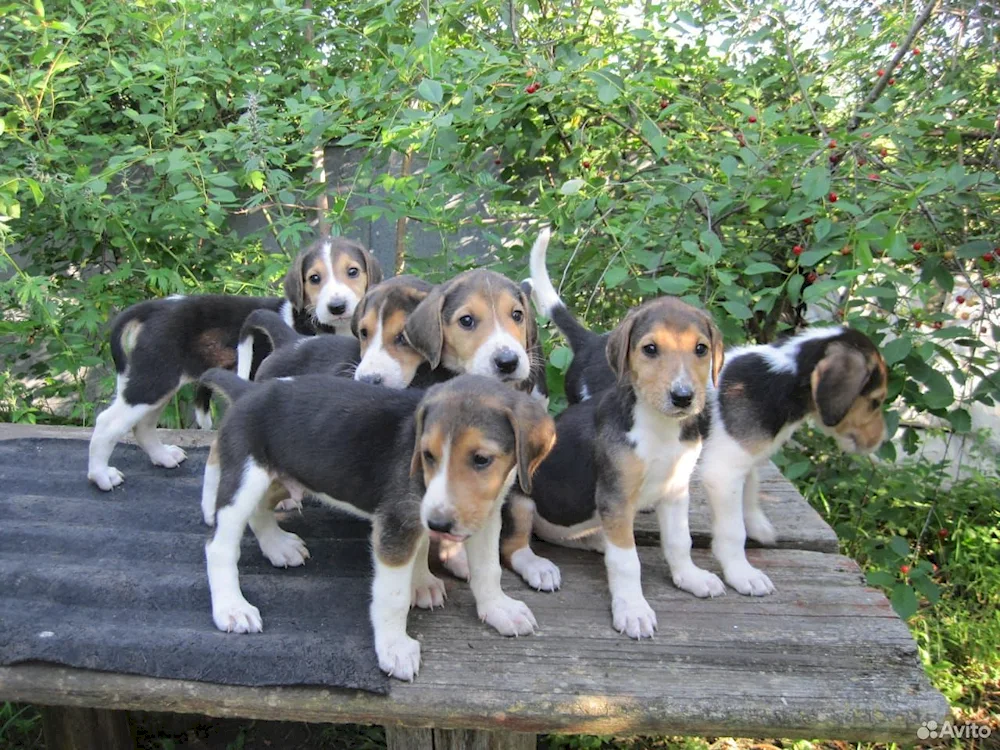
{"points": [[834, 375], [480, 323], [160, 345], [416, 463]]}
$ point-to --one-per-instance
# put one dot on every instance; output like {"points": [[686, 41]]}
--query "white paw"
{"points": [[237, 616], [759, 529], [508, 616], [748, 580], [539, 573], [203, 419], [399, 657], [699, 582], [106, 478], [428, 593], [455, 561], [283, 548], [289, 504], [167, 456], [633, 617]]}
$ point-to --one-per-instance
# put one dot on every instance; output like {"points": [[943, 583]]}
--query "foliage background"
{"points": [[774, 162]]}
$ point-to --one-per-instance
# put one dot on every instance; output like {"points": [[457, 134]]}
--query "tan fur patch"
{"points": [[130, 335], [865, 420], [518, 536], [675, 360], [619, 520], [490, 309], [211, 345], [313, 279], [396, 346], [343, 263]]}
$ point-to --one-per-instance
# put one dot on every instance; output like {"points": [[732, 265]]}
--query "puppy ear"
{"points": [[425, 329], [530, 323], [294, 288], [534, 437], [718, 348], [373, 268], [837, 381], [359, 313], [619, 346], [416, 465]]}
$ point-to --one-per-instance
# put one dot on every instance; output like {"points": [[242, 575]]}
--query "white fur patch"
{"points": [[378, 361], [398, 654], [483, 361], [244, 357], [781, 357], [334, 290], [630, 612], [545, 295]]}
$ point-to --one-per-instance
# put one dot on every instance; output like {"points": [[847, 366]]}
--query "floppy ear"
{"points": [[534, 436], [424, 328], [837, 381], [359, 313], [373, 269], [416, 466], [530, 323], [294, 290], [619, 344], [718, 348]]}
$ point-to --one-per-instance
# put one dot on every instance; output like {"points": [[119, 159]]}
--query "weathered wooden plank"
{"points": [[798, 525], [823, 657], [73, 728], [406, 738]]}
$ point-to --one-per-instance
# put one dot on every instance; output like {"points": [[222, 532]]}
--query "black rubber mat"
{"points": [[116, 581]]}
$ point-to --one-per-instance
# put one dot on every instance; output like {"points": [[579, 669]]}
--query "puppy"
{"points": [[834, 375], [160, 345], [416, 464]]}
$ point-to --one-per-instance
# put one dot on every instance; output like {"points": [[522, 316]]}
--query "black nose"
{"points": [[337, 307], [371, 379], [506, 361], [682, 397], [443, 526]]}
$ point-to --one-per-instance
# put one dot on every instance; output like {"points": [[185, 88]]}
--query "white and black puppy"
{"points": [[834, 375], [160, 345], [415, 463]]}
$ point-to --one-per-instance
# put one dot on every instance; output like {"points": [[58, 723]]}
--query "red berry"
{"points": [[937, 325], [986, 283], [740, 139], [960, 299], [934, 567], [664, 104], [873, 176], [881, 72], [752, 119], [862, 162], [942, 533], [916, 50], [586, 164], [807, 221], [498, 161], [883, 153], [892, 81], [797, 250], [845, 250], [832, 144], [834, 158], [866, 135], [893, 45], [917, 245], [904, 569], [987, 257], [811, 277], [832, 197]]}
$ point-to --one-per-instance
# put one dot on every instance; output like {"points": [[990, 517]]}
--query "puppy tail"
{"points": [[226, 383], [547, 298], [271, 325]]}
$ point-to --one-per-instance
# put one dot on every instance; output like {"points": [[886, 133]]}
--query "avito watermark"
{"points": [[948, 731]]}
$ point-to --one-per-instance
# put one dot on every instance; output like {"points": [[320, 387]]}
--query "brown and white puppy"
{"points": [[160, 345], [413, 462], [629, 448], [480, 323], [834, 375]]}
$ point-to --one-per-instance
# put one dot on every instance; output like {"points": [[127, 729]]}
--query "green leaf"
{"points": [[607, 93], [822, 228], [256, 179], [712, 244], [812, 257], [223, 195], [615, 276], [185, 195], [431, 90], [900, 546], [816, 183], [572, 187], [761, 267], [896, 350], [673, 284], [904, 600], [960, 420], [974, 249], [560, 357], [880, 578], [349, 139], [737, 309]]}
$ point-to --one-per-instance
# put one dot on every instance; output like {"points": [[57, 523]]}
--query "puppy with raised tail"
{"points": [[836, 376], [416, 464], [631, 447]]}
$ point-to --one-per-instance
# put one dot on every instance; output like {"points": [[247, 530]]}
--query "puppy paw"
{"points": [[428, 593], [455, 561], [399, 657], [537, 572], [759, 529], [167, 456], [701, 583], [289, 504], [106, 478], [633, 617], [748, 580], [284, 549], [237, 616], [508, 616]]}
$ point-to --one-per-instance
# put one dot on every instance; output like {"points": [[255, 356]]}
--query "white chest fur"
{"points": [[667, 462]]}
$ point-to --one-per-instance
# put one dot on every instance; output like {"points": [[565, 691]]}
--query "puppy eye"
{"points": [[400, 340], [517, 315], [352, 272], [363, 333], [649, 350], [701, 350], [429, 458], [467, 322], [315, 279], [876, 404], [481, 461]]}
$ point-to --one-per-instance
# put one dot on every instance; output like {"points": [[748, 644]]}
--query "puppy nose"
{"points": [[506, 361], [682, 396], [374, 379], [338, 307], [438, 525]]}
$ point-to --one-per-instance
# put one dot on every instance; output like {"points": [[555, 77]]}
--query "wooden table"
{"points": [[823, 657]]}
